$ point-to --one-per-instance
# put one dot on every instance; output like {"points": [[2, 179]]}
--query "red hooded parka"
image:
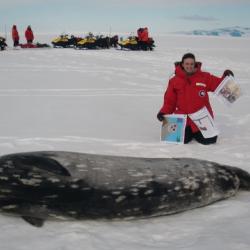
{"points": [[143, 35], [187, 94], [29, 34], [15, 35]]}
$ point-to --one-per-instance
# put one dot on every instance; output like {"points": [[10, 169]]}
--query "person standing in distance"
{"points": [[15, 36], [29, 35]]}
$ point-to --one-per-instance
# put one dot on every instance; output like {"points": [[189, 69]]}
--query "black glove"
{"points": [[228, 72], [160, 116]]}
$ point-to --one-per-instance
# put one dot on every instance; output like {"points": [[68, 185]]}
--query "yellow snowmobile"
{"points": [[86, 43], [131, 43], [64, 41]]}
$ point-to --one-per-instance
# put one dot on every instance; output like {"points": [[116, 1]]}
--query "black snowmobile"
{"points": [[113, 41], [3, 43], [102, 42]]}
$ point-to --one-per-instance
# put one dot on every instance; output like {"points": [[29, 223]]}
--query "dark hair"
{"points": [[187, 55]]}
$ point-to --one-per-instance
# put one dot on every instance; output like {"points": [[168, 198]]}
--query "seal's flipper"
{"points": [[34, 221], [40, 162]]}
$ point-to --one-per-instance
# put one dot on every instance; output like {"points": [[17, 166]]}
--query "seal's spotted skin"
{"points": [[65, 185]]}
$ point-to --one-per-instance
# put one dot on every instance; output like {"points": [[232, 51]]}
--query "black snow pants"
{"points": [[190, 135]]}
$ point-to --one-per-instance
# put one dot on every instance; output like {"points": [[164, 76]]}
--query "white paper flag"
{"points": [[204, 121], [228, 90], [173, 129]]}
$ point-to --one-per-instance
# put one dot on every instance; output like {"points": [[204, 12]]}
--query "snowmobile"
{"points": [[93, 42], [129, 43], [86, 43], [103, 42], [113, 41], [64, 41], [3, 44], [132, 43]]}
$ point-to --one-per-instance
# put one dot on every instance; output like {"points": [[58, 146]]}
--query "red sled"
{"points": [[28, 46]]}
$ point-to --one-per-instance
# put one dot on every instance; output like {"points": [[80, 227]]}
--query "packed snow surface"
{"points": [[105, 102]]}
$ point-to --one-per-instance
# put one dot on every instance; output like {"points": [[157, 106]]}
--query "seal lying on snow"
{"points": [[44, 185]]}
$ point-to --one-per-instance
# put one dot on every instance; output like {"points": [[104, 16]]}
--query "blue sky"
{"points": [[123, 15]]}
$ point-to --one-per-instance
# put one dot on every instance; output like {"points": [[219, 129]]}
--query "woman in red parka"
{"points": [[15, 36], [29, 35], [187, 92]]}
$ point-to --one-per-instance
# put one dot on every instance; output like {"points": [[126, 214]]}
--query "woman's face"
{"points": [[189, 65]]}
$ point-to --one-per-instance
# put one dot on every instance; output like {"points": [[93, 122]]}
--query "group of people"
{"points": [[28, 35]]}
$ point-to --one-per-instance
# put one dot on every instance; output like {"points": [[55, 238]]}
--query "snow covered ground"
{"points": [[106, 102]]}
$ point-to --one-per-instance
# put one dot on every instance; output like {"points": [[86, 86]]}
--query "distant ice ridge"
{"points": [[235, 31]]}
